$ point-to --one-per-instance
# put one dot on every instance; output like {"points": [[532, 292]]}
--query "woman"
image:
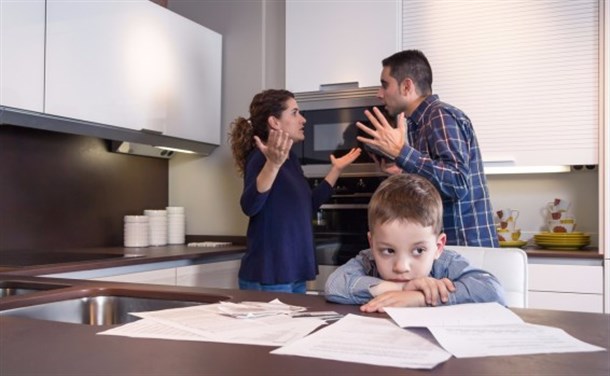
{"points": [[277, 198]]}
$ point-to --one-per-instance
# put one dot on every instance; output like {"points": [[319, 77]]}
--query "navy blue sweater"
{"points": [[280, 247]]}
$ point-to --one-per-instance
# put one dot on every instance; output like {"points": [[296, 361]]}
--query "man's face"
{"points": [[391, 93], [403, 250]]}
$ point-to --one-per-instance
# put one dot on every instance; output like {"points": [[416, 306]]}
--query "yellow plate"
{"points": [[561, 234], [561, 240], [544, 240], [563, 247], [551, 244], [571, 239], [513, 244]]}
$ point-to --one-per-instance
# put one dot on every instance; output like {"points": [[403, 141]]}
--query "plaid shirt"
{"points": [[443, 148]]}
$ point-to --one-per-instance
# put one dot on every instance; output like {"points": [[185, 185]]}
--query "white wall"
{"points": [[253, 59]]}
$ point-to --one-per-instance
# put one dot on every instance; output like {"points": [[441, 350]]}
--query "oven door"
{"points": [[332, 131], [340, 232]]}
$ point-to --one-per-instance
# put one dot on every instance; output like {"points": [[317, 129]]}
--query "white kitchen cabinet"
{"points": [[157, 272], [133, 64], [334, 41], [566, 301], [22, 28], [566, 287], [153, 277], [216, 275]]}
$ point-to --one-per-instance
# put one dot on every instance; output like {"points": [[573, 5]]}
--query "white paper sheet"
{"points": [[516, 339], [151, 329], [454, 315], [369, 340], [208, 323], [487, 329]]}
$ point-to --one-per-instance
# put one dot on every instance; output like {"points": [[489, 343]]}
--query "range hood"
{"points": [[122, 140]]}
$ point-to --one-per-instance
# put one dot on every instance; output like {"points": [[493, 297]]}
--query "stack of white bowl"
{"points": [[176, 225], [157, 222], [135, 231]]}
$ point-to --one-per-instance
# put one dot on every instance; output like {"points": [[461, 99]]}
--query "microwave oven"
{"points": [[331, 128]]}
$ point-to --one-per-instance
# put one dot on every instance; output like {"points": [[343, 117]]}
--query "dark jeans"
{"points": [[295, 287]]}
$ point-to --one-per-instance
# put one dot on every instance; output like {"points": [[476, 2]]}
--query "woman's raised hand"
{"points": [[277, 148]]}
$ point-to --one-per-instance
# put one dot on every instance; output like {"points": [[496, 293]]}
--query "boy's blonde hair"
{"points": [[406, 197]]}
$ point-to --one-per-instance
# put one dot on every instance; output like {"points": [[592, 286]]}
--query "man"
{"points": [[441, 146]]}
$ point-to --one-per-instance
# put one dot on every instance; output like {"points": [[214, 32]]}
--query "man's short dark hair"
{"points": [[411, 64]]}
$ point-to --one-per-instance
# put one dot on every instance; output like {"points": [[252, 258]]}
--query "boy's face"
{"points": [[403, 250]]}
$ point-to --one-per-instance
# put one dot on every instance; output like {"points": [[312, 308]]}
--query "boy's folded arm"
{"points": [[385, 286], [354, 290], [477, 286], [472, 285], [350, 284]]}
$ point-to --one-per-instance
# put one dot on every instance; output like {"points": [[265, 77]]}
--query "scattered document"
{"points": [[464, 330], [453, 315], [515, 339], [369, 340], [210, 323], [151, 329], [487, 329], [248, 310]]}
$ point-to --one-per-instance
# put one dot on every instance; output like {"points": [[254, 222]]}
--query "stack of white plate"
{"points": [[176, 225], [135, 231], [157, 222]]}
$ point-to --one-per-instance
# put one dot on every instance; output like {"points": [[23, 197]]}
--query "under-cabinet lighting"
{"points": [[498, 170], [175, 149]]}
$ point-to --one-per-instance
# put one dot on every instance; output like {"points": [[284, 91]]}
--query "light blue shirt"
{"points": [[350, 283]]}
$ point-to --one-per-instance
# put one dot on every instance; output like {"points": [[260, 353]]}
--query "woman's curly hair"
{"points": [[267, 103]]}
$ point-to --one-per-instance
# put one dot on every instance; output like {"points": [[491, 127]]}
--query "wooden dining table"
{"points": [[39, 347]]}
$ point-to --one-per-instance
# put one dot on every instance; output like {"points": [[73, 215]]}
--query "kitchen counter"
{"points": [[138, 256], [123, 257], [588, 253], [37, 347]]}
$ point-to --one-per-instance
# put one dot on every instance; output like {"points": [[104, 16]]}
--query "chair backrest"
{"points": [[509, 265]]}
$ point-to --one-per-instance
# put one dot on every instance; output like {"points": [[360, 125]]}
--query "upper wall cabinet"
{"points": [[333, 41], [22, 54], [133, 64]]}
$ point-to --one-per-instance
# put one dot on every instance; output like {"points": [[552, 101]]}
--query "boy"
{"points": [[406, 265]]}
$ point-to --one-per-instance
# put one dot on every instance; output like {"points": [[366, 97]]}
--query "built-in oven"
{"points": [[340, 226], [331, 127]]}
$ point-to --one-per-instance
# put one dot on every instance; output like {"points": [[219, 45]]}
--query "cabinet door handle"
{"points": [[153, 131], [344, 206]]}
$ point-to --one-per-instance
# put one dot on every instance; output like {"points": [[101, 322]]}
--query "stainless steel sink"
{"points": [[102, 309], [12, 288]]}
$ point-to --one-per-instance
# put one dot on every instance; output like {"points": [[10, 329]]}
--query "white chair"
{"points": [[509, 265]]}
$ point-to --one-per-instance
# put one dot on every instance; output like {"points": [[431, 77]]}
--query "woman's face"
{"points": [[291, 121]]}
